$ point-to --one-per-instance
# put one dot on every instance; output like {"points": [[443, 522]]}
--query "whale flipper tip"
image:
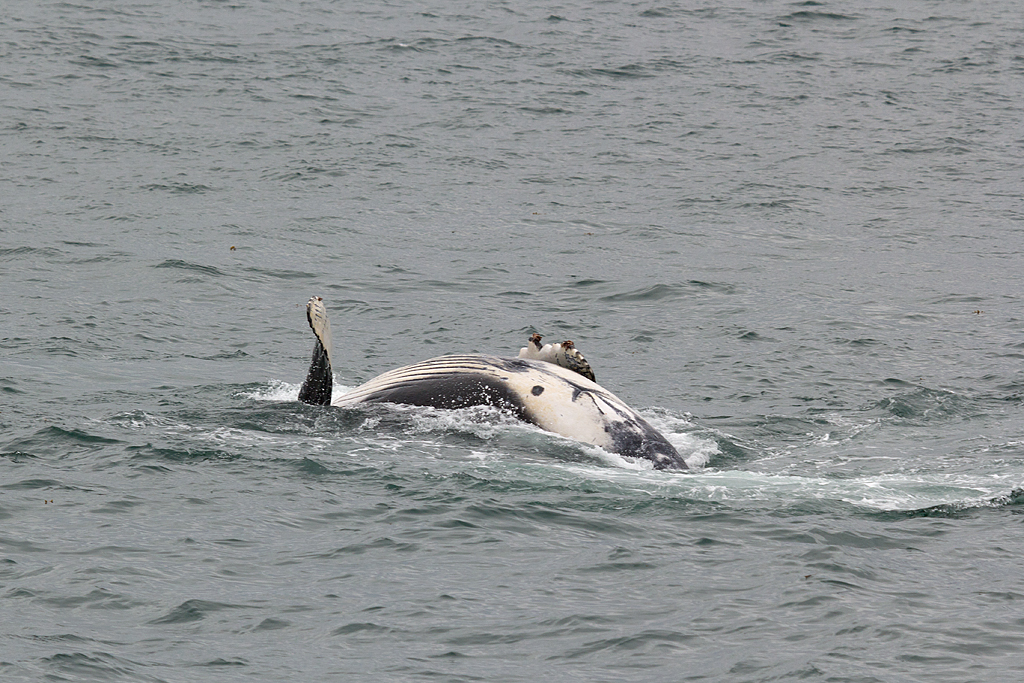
{"points": [[316, 389]]}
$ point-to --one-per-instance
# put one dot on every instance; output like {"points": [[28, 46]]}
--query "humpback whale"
{"points": [[553, 389]]}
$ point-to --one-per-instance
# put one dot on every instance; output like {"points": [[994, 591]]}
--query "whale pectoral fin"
{"points": [[316, 390]]}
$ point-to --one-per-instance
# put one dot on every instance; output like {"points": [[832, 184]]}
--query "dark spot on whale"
{"points": [[576, 393], [537, 390]]}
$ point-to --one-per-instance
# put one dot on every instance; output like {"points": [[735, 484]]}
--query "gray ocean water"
{"points": [[791, 234]]}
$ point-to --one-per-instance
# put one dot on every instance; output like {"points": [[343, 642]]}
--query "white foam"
{"points": [[696, 451], [878, 492], [618, 461], [485, 422], [275, 390], [898, 491]]}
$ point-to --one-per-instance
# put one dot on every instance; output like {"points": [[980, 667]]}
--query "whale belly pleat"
{"points": [[445, 382]]}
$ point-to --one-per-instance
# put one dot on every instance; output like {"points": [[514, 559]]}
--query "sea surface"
{"points": [[790, 234]]}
